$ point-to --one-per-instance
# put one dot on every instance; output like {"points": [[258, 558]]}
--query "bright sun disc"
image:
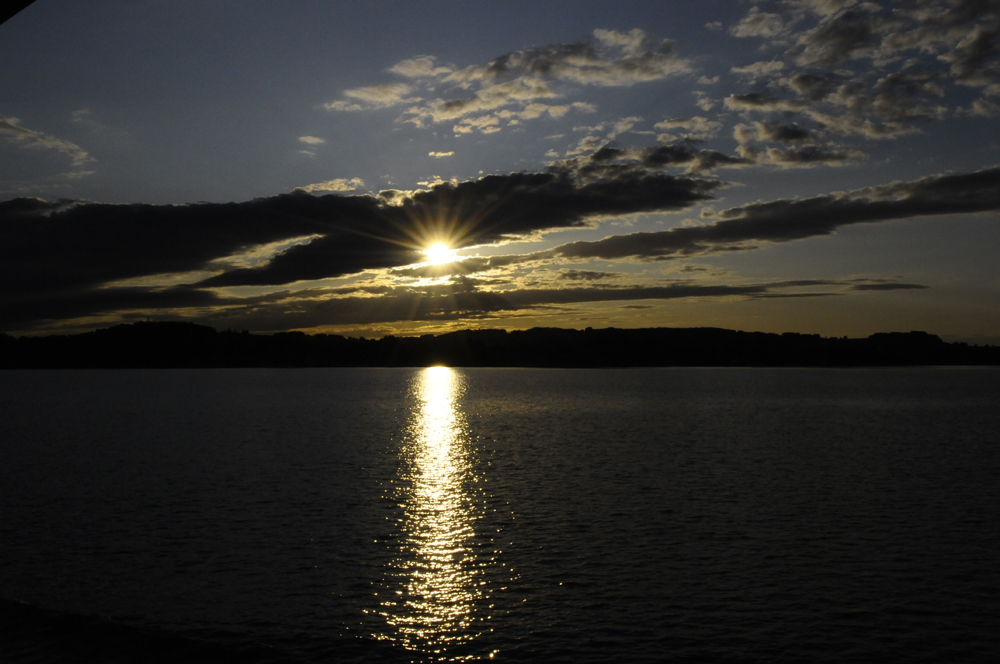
{"points": [[439, 253]]}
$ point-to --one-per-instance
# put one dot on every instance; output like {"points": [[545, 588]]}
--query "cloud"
{"points": [[50, 251], [586, 275], [420, 67], [514, 83], [81, 302], [59, 259], [622, 126], [703, 101], [842, 36], [758, 24], [690, 129], [811, 86], [588, 143], [772, 131], [853, 126], [487, 124], [344, 106], [463, 299], [520, 91], [373, 97], [887, 287], [631, 42], [893, 98], [440, 154], [698, 161], [312, 140], [339, 184], [750, 226], [908, 61], [811, 155], [12, 132], [618, 60], [808, 151], [492, 209], [755, 101], [54, 249], [917, 48], [983, 108], [758, 69], [608, 161], [823, 7]]}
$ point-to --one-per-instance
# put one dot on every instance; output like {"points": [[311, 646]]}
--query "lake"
{"points": [[425, 515]]}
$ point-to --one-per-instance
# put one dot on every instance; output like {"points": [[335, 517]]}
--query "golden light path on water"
{"points": [[434, 584]]}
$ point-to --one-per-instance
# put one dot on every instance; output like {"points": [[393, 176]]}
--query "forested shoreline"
{"points": [[178, 345]]}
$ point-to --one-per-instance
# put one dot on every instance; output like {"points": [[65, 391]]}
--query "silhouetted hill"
{"points": [[173, 344]]}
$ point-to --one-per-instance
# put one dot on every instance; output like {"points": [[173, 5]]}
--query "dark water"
{"points": [[335, 515]]}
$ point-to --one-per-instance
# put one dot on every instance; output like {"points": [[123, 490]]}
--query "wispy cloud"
{"points": [[12, 132]]}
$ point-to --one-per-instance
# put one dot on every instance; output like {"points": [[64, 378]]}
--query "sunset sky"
{"points": [[817, 166]]}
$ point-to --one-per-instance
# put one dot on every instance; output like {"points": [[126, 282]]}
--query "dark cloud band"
{"points": [[786, 220]]}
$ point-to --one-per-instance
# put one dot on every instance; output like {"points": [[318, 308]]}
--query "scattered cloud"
{"points": [[373, 97], [339, 184], [983, 108], [420, 67], [312, 140], [758, 24], [690, 129], [758, 69], [917, 50], [486, 124], [440, 154], [515, 86], [772, 131], [703, 101], [808, 149], [756, 101], [811, 155]]}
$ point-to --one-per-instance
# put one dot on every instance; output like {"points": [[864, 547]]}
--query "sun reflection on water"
{"points": [[433, 580]]}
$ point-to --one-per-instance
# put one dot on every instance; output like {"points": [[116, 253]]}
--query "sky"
{"points": [[817, 166]]}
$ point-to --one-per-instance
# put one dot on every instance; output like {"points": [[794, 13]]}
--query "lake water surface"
{"points": [[369, 515]]}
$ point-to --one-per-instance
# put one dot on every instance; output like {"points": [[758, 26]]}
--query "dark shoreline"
{"points": [[187, 345]]}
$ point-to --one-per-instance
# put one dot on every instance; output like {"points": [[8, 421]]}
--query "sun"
{"points": [[439, 253]]}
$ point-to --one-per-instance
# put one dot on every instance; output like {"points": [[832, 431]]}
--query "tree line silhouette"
{"points": [[178, 344]]}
